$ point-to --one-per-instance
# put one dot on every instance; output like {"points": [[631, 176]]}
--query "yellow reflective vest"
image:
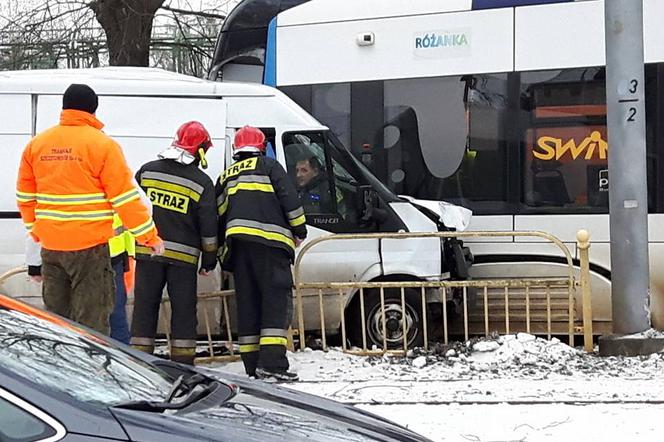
{"points": [[122, 241]]}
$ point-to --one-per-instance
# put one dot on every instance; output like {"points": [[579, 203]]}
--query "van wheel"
{"points": [[395, 316]]}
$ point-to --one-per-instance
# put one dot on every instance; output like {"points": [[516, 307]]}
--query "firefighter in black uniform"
{"points": [[261, 221], [185, 213]]}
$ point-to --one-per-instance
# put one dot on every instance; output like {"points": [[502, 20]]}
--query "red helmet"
{"points": [[192, 136], [249, 139]]}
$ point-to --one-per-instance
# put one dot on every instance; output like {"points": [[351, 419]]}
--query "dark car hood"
{"points": [[268, 413]]}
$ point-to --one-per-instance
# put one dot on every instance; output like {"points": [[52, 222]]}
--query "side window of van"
{"points": [[308, 168]]}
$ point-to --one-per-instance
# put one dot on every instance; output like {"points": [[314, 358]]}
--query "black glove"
{"points": [[208, 261], [34, 270]]}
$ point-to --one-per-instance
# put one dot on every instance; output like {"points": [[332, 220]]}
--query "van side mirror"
{"points": [[368, 205]]}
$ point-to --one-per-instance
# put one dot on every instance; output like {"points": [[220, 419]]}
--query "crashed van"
{"points": [[142, 108]]}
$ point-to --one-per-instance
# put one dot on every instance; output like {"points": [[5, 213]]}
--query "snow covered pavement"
{"points": [[511, 388]]}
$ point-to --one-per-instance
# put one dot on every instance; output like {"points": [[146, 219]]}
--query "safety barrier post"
{"points": [[424, 320], [583, 243], [300, 316]]}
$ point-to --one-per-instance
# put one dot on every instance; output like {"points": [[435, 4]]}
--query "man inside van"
{"points": [[313, 188], [71, 180]]}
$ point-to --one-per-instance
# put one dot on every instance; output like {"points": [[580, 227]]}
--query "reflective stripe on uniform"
{"points": [[178, 247], [249, 339], [249, 348], [296, 217], [222, 252], [274, 332], [71, 199], [84, 215], [249, 344], [29, 226], [239, 230], [25, 197], [183, 351], [209, 244], [267, 231], [149, 349], [192, 185], [162, 185], [172, 183], [143, 228], [141, 341], [178, 256], [271, 340], [263, 226], [124, 198], [260, 183], [183, 343]]}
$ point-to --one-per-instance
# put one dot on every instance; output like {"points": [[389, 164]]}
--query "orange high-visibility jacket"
{"points": [[71, 179]]}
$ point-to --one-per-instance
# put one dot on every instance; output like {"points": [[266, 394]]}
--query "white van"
{"points": [[142, 108]]}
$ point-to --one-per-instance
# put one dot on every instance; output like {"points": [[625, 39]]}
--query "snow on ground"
{"points": [[528, 423], [515, 387]]}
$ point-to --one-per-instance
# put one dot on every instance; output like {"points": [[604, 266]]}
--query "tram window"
{"points": [[565, 149], [330, 104], [445, 139]]}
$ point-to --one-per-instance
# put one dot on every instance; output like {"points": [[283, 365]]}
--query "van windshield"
{"points": [[338, 150]]}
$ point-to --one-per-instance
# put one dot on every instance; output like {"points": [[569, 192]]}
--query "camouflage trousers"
{"points": [[80, 285]]}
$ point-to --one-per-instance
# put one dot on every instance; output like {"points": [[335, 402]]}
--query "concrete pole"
{"points": [[628, 192]]}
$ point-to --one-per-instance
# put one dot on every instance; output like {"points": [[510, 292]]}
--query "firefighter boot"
{"points": [[277, 375], [183, 355]]}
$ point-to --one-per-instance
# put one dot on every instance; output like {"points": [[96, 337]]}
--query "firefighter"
{"points": [[261, 221], [184, 211]]}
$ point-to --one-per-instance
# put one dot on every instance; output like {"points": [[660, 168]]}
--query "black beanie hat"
{"points": [[80, 97]]}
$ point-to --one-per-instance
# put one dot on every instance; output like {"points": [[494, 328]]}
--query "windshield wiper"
{"points": [[197, 392]]}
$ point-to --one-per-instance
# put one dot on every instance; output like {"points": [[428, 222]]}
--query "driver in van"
{"points": [[313, 188]]}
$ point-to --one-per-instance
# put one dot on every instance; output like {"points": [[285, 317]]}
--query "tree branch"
{"points": [[195, 13]]}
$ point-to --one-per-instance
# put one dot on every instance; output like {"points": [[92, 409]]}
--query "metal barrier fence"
{"points": [[203, 308], [528, 289], [520, 295], [206, 302]]}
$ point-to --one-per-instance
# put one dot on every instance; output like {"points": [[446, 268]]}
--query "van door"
{"points": [[144, 125], [15, 133], [327, 191]]}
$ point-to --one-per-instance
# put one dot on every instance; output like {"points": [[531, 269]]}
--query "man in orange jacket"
{"points": [[71, 180]]}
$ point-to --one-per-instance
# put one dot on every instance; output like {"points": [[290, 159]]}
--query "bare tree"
{"points": [[52, 33], [128, 26]]}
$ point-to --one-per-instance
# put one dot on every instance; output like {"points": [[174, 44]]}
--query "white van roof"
{"points": [[124, 81]]}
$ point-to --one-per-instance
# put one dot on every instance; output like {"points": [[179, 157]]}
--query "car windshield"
{"points": [[61, 357]]}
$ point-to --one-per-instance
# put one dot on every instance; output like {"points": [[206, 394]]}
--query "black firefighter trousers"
{"points": [[263, 287], [181, 281]]}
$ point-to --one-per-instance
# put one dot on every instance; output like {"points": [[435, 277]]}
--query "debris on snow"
{"points": [[419, 362], [520, 356], [648, 334], [486, 346]]}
